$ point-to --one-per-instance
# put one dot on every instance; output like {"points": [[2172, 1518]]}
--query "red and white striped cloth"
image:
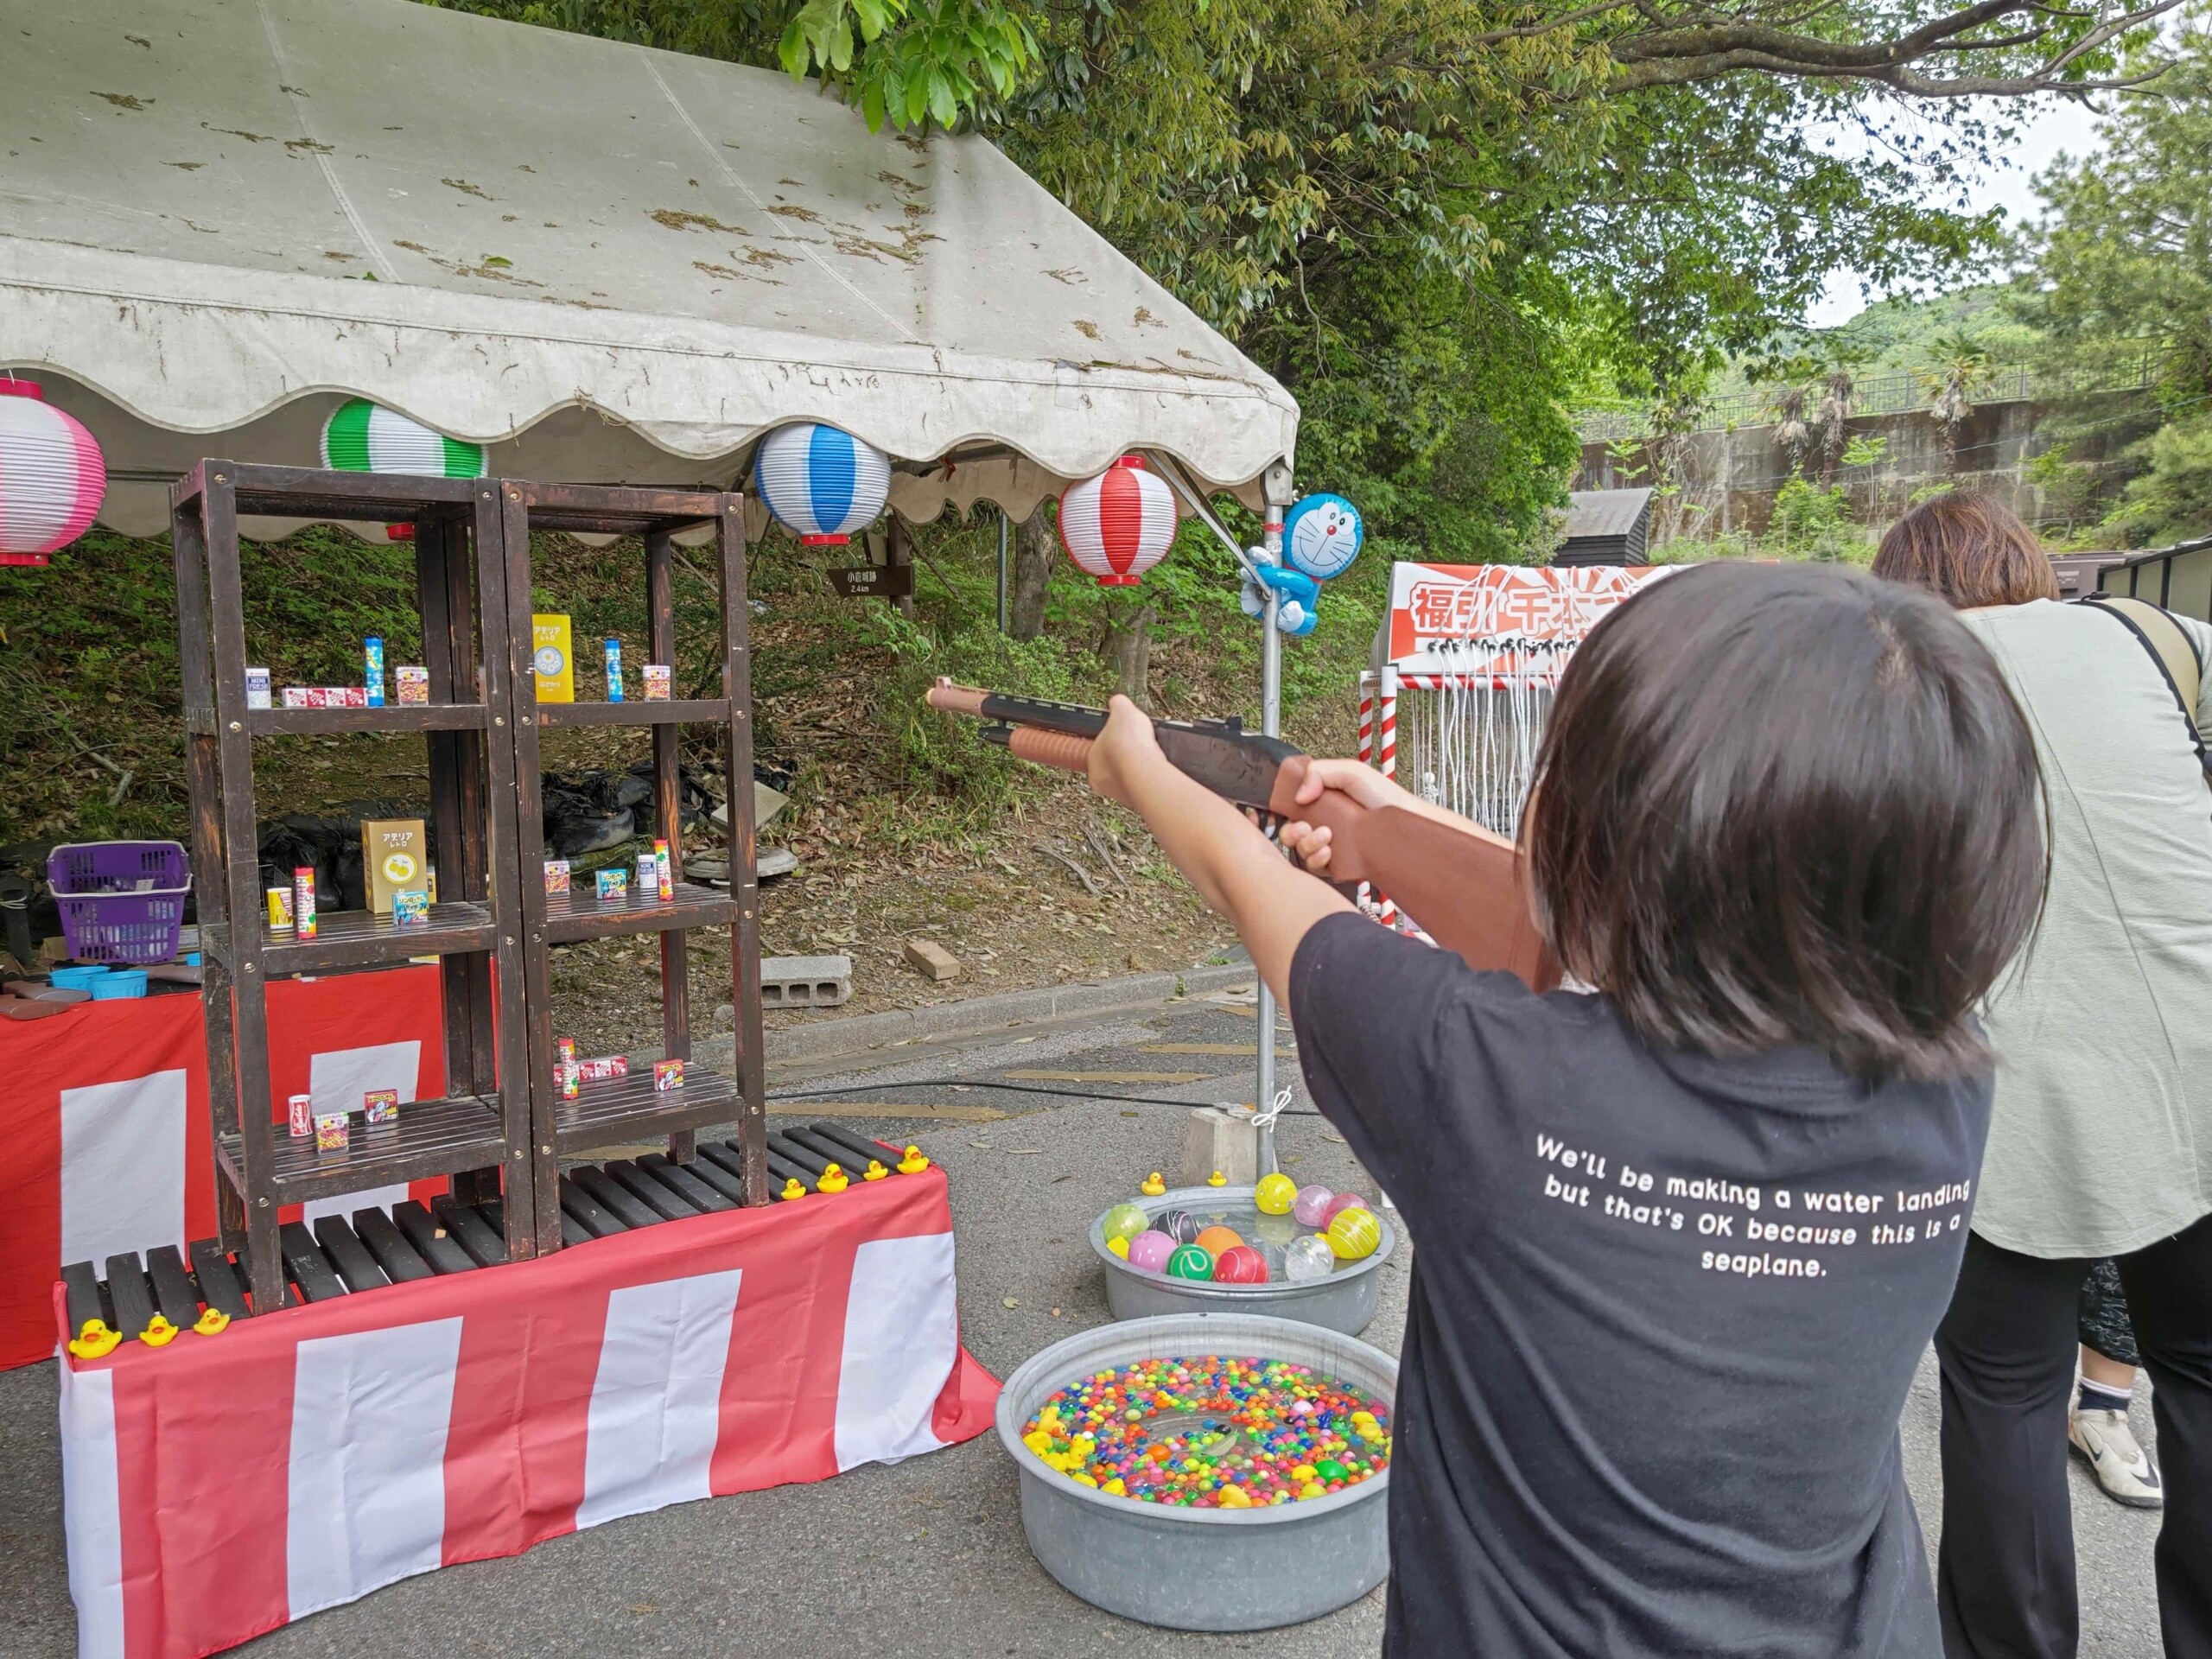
{"points": [[220, 1487], [103, 1135]]}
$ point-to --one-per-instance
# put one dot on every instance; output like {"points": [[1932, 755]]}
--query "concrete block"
{"points": [[931, 960], [805, 982], [1222, 1138]]}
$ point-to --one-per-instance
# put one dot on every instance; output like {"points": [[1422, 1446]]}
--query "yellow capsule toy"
{"points": [[1275, 1195], [1355, 1234]]}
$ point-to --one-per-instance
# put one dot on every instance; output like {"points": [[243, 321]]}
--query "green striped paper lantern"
{"points": [[360, 437]]}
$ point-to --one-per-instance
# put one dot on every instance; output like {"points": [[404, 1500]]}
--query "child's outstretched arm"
{"points": [[1236, 870]]}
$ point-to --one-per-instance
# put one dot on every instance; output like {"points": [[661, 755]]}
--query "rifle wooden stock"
{"points": [[1464, 886]]}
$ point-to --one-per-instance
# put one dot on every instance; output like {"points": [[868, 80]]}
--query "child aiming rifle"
{"points": [[1679, 1241]]}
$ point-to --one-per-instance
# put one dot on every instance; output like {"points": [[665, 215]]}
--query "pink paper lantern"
{"points": [[52, 475], [1119, 524]]}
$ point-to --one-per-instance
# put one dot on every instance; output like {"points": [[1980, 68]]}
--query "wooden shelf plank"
{"points": [[393, 717], [630, 1108], [581, 914], [433, 1137], [635, 712], [360, 939]]}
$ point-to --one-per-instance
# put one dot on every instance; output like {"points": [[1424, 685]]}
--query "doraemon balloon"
{"points": [[1321, 536]]}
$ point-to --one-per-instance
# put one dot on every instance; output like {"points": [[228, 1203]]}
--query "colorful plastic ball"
{"points": [[1341, 1203], [1355, 1234], [1310, 1207], [1330, 1468], [1275, 1195], [1180, 1225], [1190, 1262], [1215, 1239], [1240, 1264], [1150, 1251], [1126, 1221], [1308, 1258]]}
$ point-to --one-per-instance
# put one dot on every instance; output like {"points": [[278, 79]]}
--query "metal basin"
{"points": [[1201, 1569], [1344, 1301]]}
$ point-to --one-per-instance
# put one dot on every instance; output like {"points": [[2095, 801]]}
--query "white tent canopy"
{"points": [[220, 218]]}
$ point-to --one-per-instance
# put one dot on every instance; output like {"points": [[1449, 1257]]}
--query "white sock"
{"points": [[2100, 1396]]}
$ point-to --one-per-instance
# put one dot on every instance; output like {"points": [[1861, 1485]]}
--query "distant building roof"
{"points": [[1606, 527]]}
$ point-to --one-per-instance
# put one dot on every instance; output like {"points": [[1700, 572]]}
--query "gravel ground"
{"points": [[927, 1559]]}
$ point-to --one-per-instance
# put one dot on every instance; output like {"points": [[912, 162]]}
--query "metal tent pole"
{"points": [[1002, 531]]}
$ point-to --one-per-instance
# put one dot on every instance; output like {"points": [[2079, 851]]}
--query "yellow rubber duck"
{"points": [[212, 1322], [158, 1333], [1217, 1179], [875, 1170], [913, 1163], [792, 1191], [1152, 1187], [95, 1341], [832, 1179]]}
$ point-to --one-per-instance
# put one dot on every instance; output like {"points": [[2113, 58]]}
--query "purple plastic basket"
{"points": [[120, 901]]}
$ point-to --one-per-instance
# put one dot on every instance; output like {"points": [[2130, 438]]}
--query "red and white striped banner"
{"points": [[103, 1135], [1460, 624], [220, 1487]]}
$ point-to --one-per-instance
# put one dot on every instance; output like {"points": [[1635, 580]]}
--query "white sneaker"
{"points": [[2124, 1469]]}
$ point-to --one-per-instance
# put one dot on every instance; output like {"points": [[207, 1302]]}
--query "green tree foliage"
{"points": [[2122, 267]]}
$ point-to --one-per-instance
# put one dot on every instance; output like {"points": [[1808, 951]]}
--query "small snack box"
{"points": [[331, 1131], [659, 678], [303, 902], [605, 1069], [613, 884], [556, 877], [280, 910], [668, 1076], [296, 696], [663, 873], [257, 688], [410, 907], [413, 684], [301, 1115], [380, 1107], [648, 875]]}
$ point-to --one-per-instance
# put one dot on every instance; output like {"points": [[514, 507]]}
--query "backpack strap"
{"points": [[2173, 652]]}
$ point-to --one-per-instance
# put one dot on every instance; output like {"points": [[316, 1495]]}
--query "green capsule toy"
{"points": [[1190, 1262]]}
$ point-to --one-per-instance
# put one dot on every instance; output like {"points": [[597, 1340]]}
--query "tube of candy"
{"points": [[614, 671], [303, 902], [372, 678], [665, 872]]}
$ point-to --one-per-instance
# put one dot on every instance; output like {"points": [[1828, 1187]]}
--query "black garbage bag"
{"points": [[331, 846], [589, 811]]}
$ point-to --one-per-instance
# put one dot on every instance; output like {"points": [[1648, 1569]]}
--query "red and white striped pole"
{"points": [[1385, 743]]}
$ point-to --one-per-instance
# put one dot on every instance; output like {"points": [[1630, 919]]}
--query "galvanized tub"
{"points": [[1201, 1569], [1344, 1301]]}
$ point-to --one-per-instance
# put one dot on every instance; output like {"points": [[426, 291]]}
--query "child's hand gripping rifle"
{"points": [[1464, 885]]}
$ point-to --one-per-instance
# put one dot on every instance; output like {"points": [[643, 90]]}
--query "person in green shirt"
{"points": [[2101, 1141]]}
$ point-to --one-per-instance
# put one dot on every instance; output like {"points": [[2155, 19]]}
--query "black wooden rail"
{"points": [[413, 1241]]}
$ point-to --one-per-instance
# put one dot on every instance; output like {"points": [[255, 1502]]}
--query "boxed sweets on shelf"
{"points": [[413, 684], [380, 1107], [327, 696]]}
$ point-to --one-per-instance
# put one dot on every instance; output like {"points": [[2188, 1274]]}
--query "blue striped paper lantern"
{"points": [[821, 483]]}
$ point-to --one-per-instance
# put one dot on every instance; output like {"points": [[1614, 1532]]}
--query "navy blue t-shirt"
{"points": [[1665, 1308]]}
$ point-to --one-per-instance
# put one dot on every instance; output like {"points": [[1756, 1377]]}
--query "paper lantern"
{"points": [[52, 475], [821, 483], [1321, 536], [360, 437], [1119, 524]]}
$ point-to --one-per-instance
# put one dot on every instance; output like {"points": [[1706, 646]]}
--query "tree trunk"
{"points": [[1128, 651], [1034, 543]]}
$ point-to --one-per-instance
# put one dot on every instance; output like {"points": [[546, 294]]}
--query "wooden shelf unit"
{"points": [[481, 1136], [628, 1108]]}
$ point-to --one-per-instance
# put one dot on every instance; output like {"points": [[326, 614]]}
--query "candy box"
{"points": [[550, 661], [331, 1131], [649, 875], [667, 1075], [556, 877], [658, 676], [605, 1067], [302, 1115], [381, 1106], [410, 907], [613, 884], [257, 688], [571, 1078], [279, 909], [413, 684]]}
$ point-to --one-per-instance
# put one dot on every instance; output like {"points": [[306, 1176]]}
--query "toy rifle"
{"points": [[1464, 886]]}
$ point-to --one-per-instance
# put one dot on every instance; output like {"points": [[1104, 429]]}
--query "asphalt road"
{"points": [[927, 1559]]}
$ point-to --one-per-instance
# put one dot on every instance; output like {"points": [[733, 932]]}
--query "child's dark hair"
{"points": [[1783, 805]]}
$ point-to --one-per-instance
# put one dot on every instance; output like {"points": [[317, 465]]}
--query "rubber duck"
{"points": [[1217, 1179], [832, 1179], [212, 1322], [158, 1333], [875, 1170], [1152, 1187], [792, 1190], [913, 1163], [95, 1341]]}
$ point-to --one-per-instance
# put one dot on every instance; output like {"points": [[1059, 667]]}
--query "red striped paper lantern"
{"points": [[52, 475], [1119, 524]]}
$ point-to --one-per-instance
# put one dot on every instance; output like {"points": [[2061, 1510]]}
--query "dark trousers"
{"points": [[2005, 1571]]}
